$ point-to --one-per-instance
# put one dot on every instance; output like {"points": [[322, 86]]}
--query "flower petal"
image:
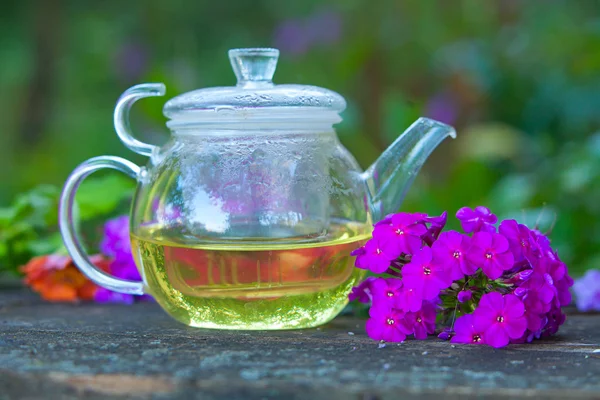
{"points": [[466, 213], [496, 336], [509, 228], [515, 327], [378, 265], [504, 260], [486, 214], [482, 240], [411, 299], [452, 238], [395, 335], [454, 271], [513, 306], [378, 285], [374, 328], [417, 229], [467, 267], [431, 290], [423, 256], [380, 311], [483, 318], [476, 257], [493, 300], [499, 243], [420, 331], [412, 244], [492, 270], [464, 324], [463, 338], [440, 281], [534, 322]]}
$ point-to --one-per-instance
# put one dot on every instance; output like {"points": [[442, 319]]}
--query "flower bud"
{"points": [[464, 295]]}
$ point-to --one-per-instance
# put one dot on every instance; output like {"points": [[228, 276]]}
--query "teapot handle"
{"points": [[121, 115], [69, 233]]}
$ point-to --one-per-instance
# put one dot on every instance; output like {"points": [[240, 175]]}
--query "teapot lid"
{"points": [[255, 98]]}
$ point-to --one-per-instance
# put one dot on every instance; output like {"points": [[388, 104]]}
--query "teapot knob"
{"points": [[254, 67]]}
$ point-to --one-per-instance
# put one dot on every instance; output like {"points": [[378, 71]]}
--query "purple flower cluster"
{"points": [[117, 245], [587, 291], [489, 285]]}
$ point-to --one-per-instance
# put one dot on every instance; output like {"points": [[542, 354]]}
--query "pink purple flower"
{"points": [[103, 295], [410, 299], [490, 252], [465, 331], [520, 238], [445, 334], [387, 291], [554, 319], [543, 293], [476, 220], [422, 322], [386, 323], [422, 273], [542, 246], [362, 292], [402, 232], [117, 245], [500, 317], [436, 224], [563, 289], [513, 280], [534, 302], [376, 255], [534, 322], [464, 296], [451, 250], [587, 291], [116, 242], [542, 279]]}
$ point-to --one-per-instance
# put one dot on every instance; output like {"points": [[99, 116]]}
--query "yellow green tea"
{"points": [[249, 284]]}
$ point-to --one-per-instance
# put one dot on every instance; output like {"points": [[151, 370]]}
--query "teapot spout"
{"points": [[391, 175]]}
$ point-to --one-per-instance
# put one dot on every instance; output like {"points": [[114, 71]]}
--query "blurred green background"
{"points": [[520, 81]]}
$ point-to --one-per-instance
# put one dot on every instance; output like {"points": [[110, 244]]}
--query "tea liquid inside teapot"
{"points": [[249, 284]]}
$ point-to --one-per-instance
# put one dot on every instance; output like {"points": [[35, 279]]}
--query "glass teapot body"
{"points": [[247, 217], [250, 229]]}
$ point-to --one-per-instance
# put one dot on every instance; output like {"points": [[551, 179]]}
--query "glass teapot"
{"points": [[246, 217]]}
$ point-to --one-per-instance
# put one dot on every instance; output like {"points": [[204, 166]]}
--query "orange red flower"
{"points": [[56, 278]]}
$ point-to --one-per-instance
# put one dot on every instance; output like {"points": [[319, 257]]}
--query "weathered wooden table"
{"points": [[96, 351]]}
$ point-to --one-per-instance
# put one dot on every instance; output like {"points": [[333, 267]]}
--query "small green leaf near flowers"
{"points": [[28, 227]]}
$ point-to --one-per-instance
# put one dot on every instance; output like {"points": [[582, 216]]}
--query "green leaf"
{"points": [[3, 250], [46, 245], [16, 231], [38, 207], [100, 196], [29, 225], [6, 215]]}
